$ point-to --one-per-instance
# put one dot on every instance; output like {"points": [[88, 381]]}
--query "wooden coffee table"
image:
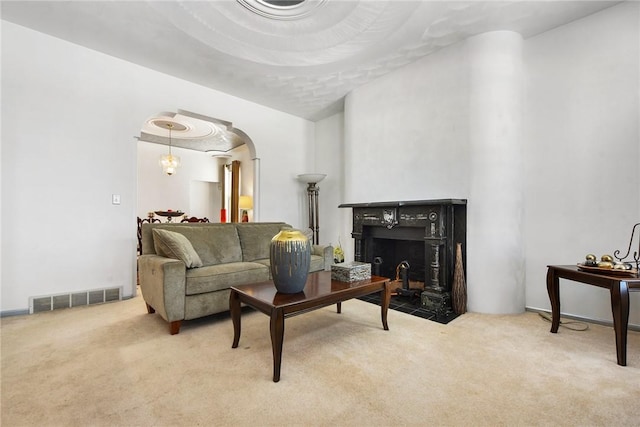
{"points": [[319, 291]]}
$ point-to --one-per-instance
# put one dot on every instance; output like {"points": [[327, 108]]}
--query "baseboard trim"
{"points": [[8, 313], [632, 327]]}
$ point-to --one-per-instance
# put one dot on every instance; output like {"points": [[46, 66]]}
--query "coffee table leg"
{"points": [[553, 289], [384, 306], [234, 308], [277, 338]]}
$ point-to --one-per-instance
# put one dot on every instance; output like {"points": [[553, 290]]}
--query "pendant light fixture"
{"points": [[169, 162]]}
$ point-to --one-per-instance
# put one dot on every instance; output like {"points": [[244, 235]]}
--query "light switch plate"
{"points": [[115, 199]]}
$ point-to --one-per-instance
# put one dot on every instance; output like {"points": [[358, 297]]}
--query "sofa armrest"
{"points": [[326, 252], [163, 285]]}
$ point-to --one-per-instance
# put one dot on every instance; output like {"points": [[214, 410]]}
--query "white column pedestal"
{"points": [[495, 252]]}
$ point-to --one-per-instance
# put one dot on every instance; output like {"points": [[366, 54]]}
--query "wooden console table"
{"points": [[619, 288]]}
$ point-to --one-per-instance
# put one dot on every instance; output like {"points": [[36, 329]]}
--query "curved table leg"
{"points": [[553, 289], [384, 304], [277, 338], [620, 311], [234, 308]]}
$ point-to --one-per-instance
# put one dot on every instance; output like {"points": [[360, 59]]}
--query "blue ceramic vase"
{"points": [[290, 258]]}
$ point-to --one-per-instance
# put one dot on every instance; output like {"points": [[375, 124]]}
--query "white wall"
{"points": [[195, 189], [205, 200], [158, 191], [582, 150], [283, 143], [407, 135], [329, 159], [67, 146]]}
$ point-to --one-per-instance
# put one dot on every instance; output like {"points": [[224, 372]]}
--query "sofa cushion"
{"points": [[222, 276], [216, 244], [175, 245], [255, 239]]}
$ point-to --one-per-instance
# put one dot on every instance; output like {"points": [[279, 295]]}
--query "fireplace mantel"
{"points": [[405, 203], [396, 228]]}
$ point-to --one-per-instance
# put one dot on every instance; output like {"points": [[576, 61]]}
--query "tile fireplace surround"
{"points": [[420, 233]]}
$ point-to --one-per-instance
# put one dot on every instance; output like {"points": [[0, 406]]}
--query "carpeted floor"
{"points": [[115, 365]]}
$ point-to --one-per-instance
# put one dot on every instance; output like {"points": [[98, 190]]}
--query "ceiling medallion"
{"points": [[182, 127], [282, 3], [282, 9], [164, 124]]}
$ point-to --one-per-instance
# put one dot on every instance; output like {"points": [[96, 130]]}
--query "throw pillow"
{"points": [[175, 245]]}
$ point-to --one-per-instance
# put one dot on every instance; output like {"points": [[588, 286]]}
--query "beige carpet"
{"points": [[115, 365]]}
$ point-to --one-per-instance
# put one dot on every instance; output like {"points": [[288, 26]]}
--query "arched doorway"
{"points": [[205, 143]]}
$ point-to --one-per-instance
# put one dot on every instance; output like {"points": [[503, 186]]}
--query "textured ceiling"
{"points": [[301, 60]]}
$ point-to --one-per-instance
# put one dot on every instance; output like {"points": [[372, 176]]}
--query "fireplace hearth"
{"points": [[414, 241]]}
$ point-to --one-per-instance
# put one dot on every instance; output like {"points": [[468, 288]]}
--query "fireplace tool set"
{"points": [[402, 278]]}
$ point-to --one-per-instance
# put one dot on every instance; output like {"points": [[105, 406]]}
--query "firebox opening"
{"points": [[392, 252]]}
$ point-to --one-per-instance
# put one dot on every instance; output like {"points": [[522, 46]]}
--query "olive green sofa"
{"points": [[185, 270]]}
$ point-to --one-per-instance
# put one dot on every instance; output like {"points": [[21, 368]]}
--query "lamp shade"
{"points": [[311, 178], [246, 202], [169, 163]]}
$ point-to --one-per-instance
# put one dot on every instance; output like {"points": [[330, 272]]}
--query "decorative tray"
{"points": [[169, 213], [610, 271]]}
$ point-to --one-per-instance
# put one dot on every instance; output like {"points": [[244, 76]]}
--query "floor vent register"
{"points": [[74, 299]]}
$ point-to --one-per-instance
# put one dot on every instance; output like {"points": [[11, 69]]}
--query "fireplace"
{"points": [[420, 234]]}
